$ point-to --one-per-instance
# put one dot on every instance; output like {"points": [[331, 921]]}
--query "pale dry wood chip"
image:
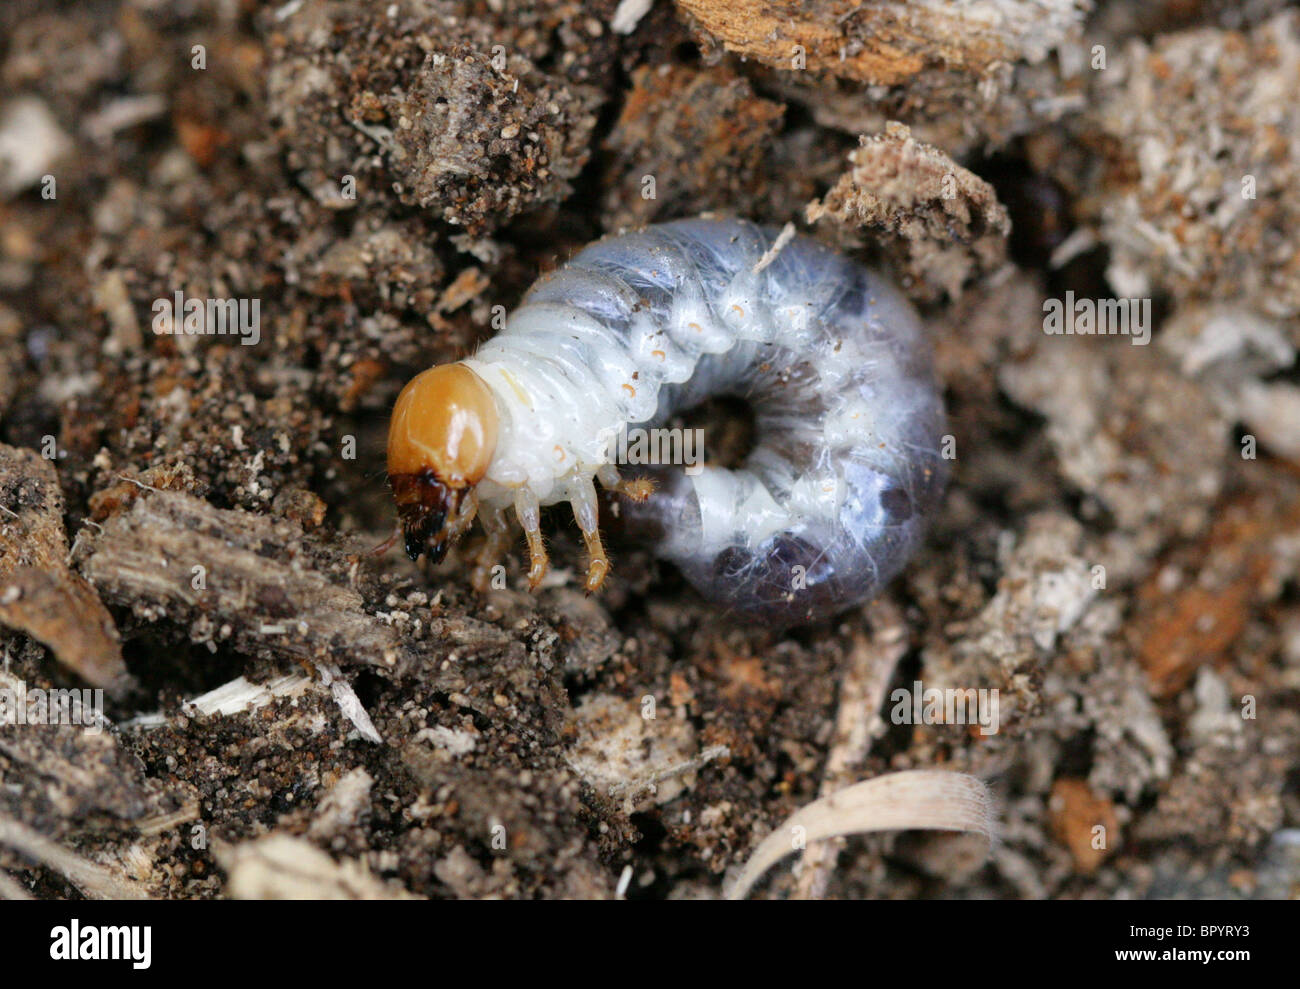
{"points": [[11, 889], [862, 687], [917, 799], [282, 867], [98, 882]]}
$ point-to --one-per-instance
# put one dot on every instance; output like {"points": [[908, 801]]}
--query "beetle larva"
{"points": [[845, 470]]}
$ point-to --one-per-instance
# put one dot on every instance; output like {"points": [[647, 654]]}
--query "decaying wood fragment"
{"points": [[885, 42], [1222, 581], [1084, 822], [281, 867], [39, 594], [941, 223], [97, 882], [76, 770], [232, 575]]}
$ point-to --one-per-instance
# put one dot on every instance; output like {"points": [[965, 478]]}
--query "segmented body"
{"points": [[846, 468]]}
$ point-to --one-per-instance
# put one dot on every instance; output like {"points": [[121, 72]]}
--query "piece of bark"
{"points": [[39, 594], [257, 582], [941, 223], [58, 776], [1194, 609], [1084, 822], [282, 867], [885, 43]]}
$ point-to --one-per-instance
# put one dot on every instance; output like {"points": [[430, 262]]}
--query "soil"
{"points": [[1117, 555]]}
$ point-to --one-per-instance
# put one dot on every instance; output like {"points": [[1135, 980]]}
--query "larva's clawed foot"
{"points": [[530, 517], [539, 563], [586, 511], [637, 490], [597, 562], [597, 571]]}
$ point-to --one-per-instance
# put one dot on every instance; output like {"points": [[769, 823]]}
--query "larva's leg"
{"points": [[530, 517], [464, 516], [610, 480], [497, 527], [587, 512]]}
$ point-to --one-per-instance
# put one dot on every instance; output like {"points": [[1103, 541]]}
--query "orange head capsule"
{"points": [[440, 442]]}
